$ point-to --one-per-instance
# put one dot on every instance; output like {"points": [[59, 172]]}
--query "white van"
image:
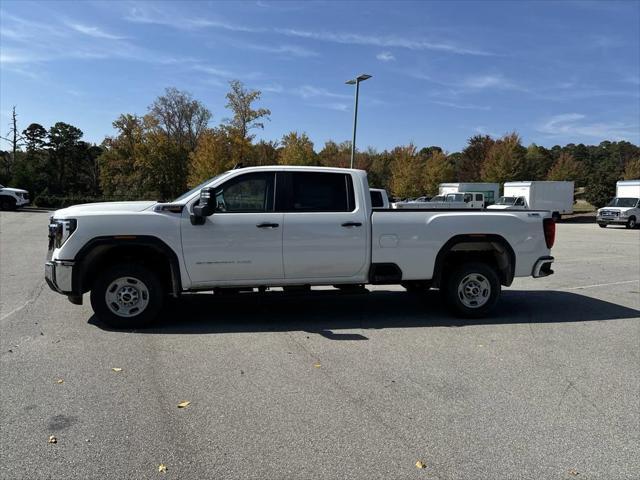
{"points": [[624, 209]]}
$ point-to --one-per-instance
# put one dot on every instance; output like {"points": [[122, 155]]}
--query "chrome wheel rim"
{"points": [[474, 290], [127, 297]]}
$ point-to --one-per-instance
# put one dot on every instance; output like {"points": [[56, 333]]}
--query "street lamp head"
{"points": [[358, 79]]}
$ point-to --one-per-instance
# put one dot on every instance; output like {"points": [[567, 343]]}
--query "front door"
{"points": [[242, 240]]}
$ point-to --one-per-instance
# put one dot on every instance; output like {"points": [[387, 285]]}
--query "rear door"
{"points": [[325, 227]]}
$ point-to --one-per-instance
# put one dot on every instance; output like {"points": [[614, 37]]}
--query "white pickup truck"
{"points": [[13, 198], [262, 227]]}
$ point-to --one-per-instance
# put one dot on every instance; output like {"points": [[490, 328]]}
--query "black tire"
{"points": [[488, 289], [631, 223], [7, 203], [556, 217], [602, 225], [149, 283]]}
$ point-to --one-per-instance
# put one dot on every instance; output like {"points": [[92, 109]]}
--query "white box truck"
{"points": [[491, 191], [624, 209], [555, 197]]}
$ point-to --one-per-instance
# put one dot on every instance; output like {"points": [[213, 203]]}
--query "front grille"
{"points": [[610, 213]]}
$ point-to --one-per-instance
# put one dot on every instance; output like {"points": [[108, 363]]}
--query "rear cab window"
{"points": [[321, 192]]}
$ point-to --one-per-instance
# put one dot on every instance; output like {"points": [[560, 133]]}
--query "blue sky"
{"points": [[556, 72]]}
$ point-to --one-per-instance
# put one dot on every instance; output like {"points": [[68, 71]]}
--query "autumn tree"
{"points": [[538, 161], [335, 155], [632, 169], [265, 153], [439, 169], [213, 155], [473, 157], [245, 118], [505, 160], [565, 168], [297, 149], [407, 175]]}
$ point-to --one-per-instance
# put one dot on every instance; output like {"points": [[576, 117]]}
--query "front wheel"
{"points": [[127, 296], [631, 223], [472, 289]]}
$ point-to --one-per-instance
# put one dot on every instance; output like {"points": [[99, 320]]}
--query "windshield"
{"points": [[437, 198], [623, 202], [455, 197], [506, 200], [186, 195]]}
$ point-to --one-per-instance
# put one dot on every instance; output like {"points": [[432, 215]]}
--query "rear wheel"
{"points": [[127, 296], [631, 223], [602, 225], [472, 289]]}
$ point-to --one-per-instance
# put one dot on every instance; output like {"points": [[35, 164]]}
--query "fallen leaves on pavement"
{"points": [[162, 468], [573, 472], [116, 369], [317, 365], [419, 464], [184, 404], [60, 380], [52, 439]]}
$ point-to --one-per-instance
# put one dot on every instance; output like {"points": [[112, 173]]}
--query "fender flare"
{"points": [[145, 241]]}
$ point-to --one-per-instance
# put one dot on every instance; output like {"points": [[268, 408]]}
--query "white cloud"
{"points": [[575, 124], [461, 106], [92, 31], [488, 81], [385, 56], [285, 50], [309, 91], [381, 41], [340, 107]]}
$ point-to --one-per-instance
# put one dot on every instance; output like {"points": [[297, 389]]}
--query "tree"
{"points": [[213, 155], [245, 117], [15, 139], [335, 155], [565, 168], [505, 160], [537, 161], [297, 149], [265, 153], [64, 163], [35, 136], [407, 172], [632, 169], [172, 128], [439, 169], [473, 158]]}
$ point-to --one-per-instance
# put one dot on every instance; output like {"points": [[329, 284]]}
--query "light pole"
{"points": [[356, 81]]}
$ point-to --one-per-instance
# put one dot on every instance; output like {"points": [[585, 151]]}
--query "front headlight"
{"points": [[62, 230]]}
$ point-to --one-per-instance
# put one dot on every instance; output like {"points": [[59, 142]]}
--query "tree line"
{"points": [[173, 147]]}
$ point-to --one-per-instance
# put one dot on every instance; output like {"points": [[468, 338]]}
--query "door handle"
{"points": [[267, 225], [352, 224]]}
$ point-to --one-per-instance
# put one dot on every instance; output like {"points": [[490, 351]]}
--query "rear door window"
{"points": [[322, 192], [376, 200]]}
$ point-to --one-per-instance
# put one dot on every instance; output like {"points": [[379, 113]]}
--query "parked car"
{"points": [[555, 197], [448, 201], [12, 198], [490, 191], [285, 226], [624, 209]]}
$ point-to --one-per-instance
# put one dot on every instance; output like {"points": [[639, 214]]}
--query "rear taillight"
{"points": [[549, 226]]}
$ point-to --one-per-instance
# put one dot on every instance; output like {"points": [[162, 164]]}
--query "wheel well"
{"points": [[491, 249], [101, 254]]}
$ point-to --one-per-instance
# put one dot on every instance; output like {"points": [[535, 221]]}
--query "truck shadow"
{"points": [[327, 312]]}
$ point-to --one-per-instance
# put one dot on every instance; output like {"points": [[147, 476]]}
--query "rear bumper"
{"points": [[542, 267], [58, 275]]}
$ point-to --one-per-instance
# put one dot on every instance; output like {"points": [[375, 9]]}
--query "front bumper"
{"points": [[58, 274], [542, 267], [618, 220]]}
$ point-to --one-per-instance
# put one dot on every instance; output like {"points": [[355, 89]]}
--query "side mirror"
{"points": [[204, 208]]}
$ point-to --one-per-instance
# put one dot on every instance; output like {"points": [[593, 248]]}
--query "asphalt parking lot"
{"points": [[328, 385]]}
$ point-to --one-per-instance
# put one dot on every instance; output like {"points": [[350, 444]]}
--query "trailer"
{"points": [[491, 191]]}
